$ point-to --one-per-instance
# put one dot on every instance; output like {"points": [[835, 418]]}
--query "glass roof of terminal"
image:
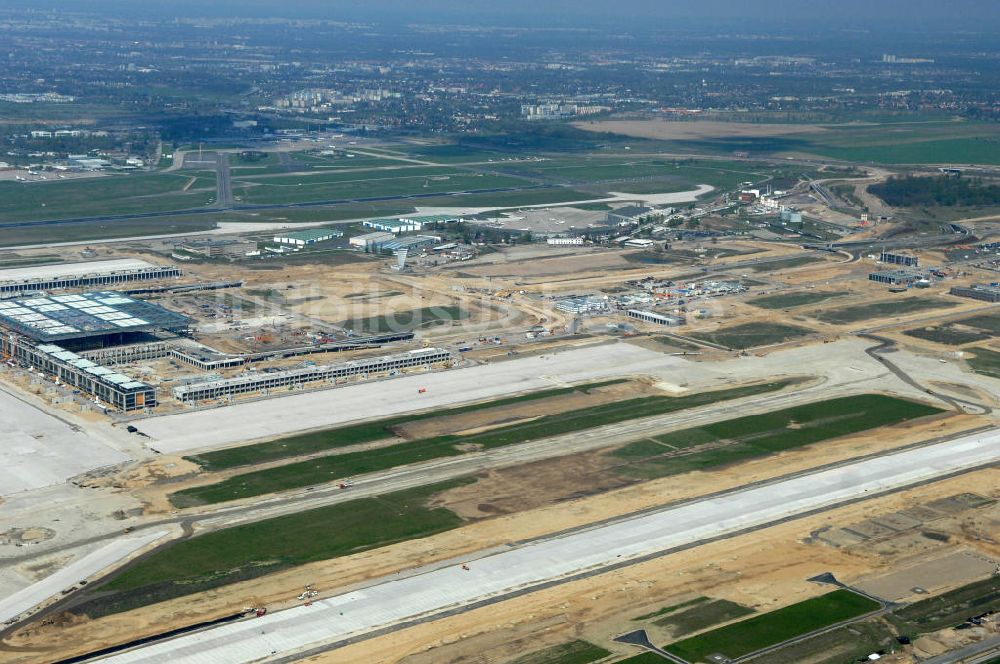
{"points": [[84, 315]]}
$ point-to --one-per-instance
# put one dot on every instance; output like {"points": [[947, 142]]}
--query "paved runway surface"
{"points": [[83, 568], [423, 596], [39, 450]]}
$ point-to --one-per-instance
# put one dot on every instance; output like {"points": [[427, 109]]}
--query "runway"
{"points": [[424, 596]]}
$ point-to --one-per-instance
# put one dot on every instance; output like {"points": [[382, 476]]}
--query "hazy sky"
{"points": [[978, 15]]}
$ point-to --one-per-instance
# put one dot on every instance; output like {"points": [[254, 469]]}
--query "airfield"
{"points": [[560, 474]]}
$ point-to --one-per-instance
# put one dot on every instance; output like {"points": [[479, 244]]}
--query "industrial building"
{"points": [[393, 225], [581, 305], [306, 237], [298, 377], [233, 248], [410, 244], [655, 318], [984, 292], [897, 277], [899, 259], [81, 275], [369, 239], [565, 241], [430, 219]]}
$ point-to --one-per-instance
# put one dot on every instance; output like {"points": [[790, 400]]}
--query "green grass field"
{"points": [[883, 309], [752, 335], [947, 334], [984, 361], [105, 195], [850, 643], [771, 628], [644, 658], [573, 652], [986, 322], [407, 320], [792, 300], [949, 609], [319, 441], [757, 436], [244, 552], [368, 184], [701, 616], [330, 468]]}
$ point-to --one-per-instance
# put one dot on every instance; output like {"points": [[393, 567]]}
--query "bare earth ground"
{"points": [[673, 130], [335, 576]]}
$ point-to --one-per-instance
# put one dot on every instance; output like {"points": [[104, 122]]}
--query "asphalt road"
{"points": [[417, 597]]}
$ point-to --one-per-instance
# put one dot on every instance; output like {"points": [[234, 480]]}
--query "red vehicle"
{"points": [[421, 390]]}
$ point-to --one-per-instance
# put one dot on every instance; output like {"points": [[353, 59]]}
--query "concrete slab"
{"points": [[40, 450], [950, 571]]}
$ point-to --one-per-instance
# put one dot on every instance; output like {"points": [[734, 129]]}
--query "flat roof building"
{"points": [[310, 236], [629, 215], [899, 259], [81, 275], [581, 305], [298, 377], [896, 277], [369, 239], [656, 318], [231, 248], [983, 292]]}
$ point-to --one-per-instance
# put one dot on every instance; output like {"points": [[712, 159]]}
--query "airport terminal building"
{"points": [[38, 333]]}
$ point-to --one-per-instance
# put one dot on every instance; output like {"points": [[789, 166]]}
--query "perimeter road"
{"points": [[398, 602]]}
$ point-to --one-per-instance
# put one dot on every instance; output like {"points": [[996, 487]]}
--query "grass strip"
{"points": [[326, 469], [319, 441], [772, 628], [255, 549], [760, 435], [573, 652]]}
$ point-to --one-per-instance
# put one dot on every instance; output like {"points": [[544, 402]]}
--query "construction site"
{"points": [[701, 447]]}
